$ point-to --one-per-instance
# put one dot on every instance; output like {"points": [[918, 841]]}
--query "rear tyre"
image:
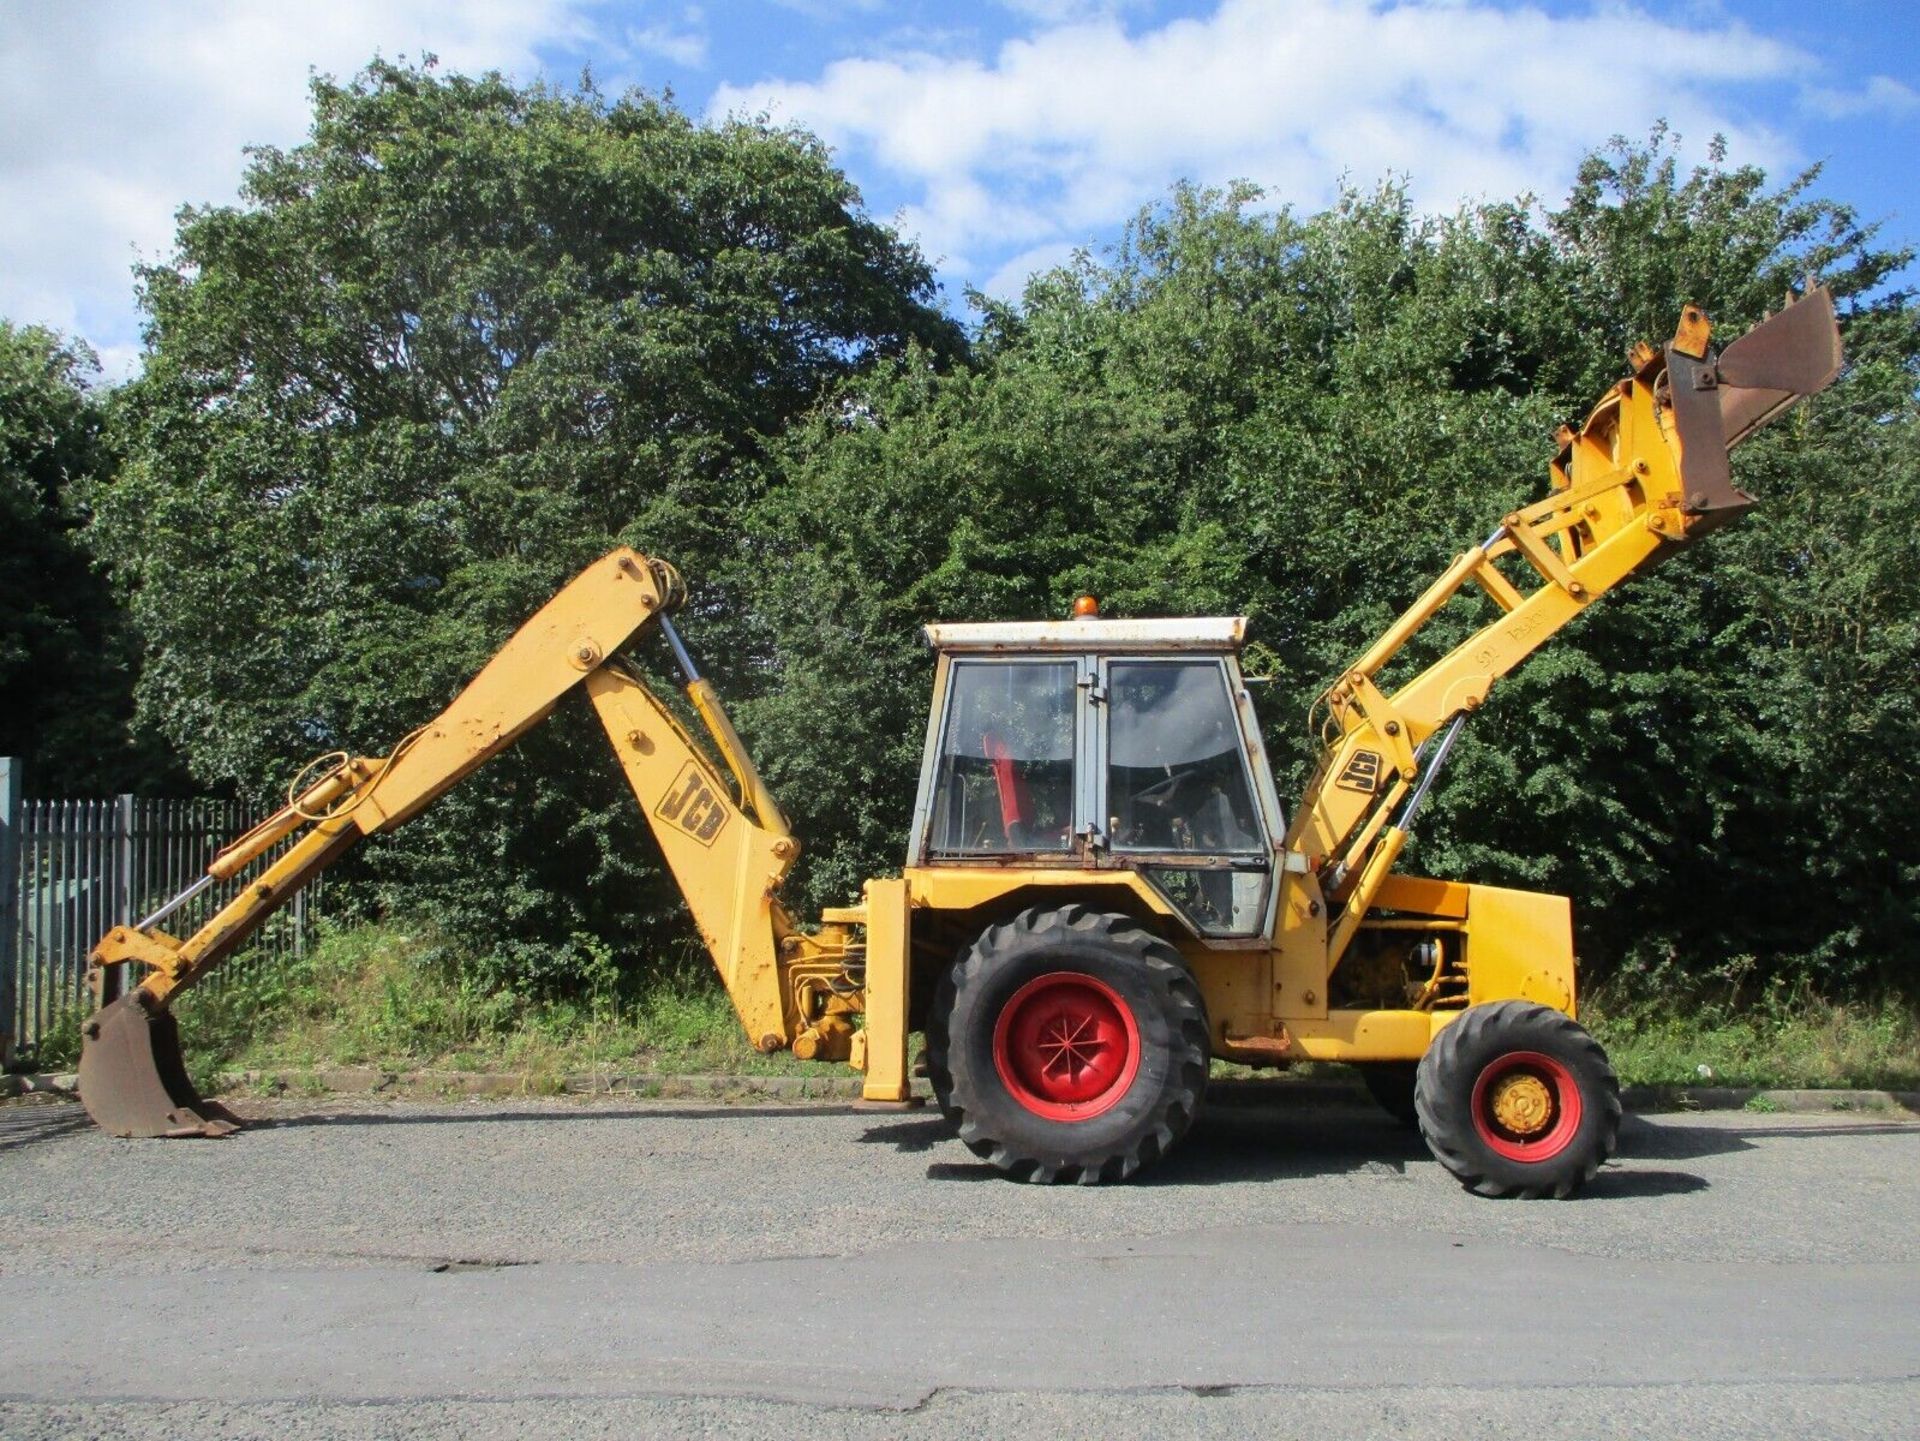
{"points": [[1391, 1085], [1516, 1099], [1069, 1045]]}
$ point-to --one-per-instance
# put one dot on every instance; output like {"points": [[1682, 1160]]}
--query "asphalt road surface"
{"points": [[544, 1269]]}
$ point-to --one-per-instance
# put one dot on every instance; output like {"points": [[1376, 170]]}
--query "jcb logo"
{"points": [[1360, 773], [692, 805]]}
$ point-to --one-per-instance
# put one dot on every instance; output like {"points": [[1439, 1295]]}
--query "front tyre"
{"points": [[1516, 1099], [1069, 1045]]}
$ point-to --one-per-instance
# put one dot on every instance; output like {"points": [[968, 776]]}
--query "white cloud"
{"points": [[1009, 282], [685, 46], [111, 116], [1076, 124], [1881, 95]]}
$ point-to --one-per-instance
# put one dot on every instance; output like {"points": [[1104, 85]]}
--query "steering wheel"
{"points": [[1164, 793]]}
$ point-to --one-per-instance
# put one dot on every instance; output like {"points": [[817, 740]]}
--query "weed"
{"points": [[59, 1048], [1762, 1105]]}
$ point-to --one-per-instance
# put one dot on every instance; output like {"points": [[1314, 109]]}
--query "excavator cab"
{"points": [[1104, 745]]}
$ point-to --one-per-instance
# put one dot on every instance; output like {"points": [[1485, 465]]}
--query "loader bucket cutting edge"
{"points": [[133, 1081]]}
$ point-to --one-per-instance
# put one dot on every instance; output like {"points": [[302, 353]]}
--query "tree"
{"points": [[67, 661], [469, 335], [463, 339], [1226, 418]]}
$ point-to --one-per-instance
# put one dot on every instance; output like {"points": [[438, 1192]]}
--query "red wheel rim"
{"points": [[1066, 1046], [1526, 1106]]}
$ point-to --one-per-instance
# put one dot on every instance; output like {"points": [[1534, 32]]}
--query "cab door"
{"points": [[1174, 790]]}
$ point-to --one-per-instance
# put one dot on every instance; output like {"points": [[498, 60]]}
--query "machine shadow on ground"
{"points": [[1237, 1144], [1277, 1140], [657, 1111]]}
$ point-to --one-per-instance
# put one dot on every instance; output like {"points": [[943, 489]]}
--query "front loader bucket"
{"points": [[133, 1081], [1718, 401]]}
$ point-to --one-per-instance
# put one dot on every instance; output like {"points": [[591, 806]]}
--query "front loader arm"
{"points": [[1647, 472]]}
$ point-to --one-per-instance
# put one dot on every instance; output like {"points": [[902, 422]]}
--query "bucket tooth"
{"points": [[133, 1081]]}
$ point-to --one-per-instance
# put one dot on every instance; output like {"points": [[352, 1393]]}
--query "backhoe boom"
{"points": [[728, 851]]}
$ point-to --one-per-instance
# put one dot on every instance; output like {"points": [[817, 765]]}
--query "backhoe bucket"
{"points": [[1718, 401], [133, 1081]]}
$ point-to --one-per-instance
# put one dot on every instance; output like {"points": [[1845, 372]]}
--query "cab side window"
{"points": [[1005, 771], [1176, 777], [1178, 786]]}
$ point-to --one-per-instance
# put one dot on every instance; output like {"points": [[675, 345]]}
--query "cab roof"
{"points": [[1209, 634]]}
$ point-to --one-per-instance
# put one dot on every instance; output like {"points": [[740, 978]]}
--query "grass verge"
{"points": [[392, 998], [1783, 1038], [396, 998]]}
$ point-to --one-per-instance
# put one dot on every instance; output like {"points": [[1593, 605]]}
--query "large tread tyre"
{"points": [[1069, 1045], [1391, 1084], [1516, 1099]]}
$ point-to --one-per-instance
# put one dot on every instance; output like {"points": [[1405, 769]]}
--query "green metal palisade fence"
{"points": [[70, 870]]}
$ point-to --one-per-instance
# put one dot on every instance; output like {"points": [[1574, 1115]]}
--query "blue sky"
{"points": [[999, 136]]}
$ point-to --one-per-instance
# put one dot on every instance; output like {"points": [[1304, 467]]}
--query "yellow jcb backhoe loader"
{"points": [[1100, 894]]}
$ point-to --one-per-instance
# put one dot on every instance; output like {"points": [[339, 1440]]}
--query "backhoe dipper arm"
{"points": [[1646, 472], [726, 860]]}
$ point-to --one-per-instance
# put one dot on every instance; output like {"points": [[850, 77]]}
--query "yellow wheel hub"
{"points": [[1522, 1104]]}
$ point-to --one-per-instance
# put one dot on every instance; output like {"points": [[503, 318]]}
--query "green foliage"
{"points": [[67, 661], [464, 339], [1718, 1032], [398, 999], [1303, 419], [373, 993], [59, 1048]]}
